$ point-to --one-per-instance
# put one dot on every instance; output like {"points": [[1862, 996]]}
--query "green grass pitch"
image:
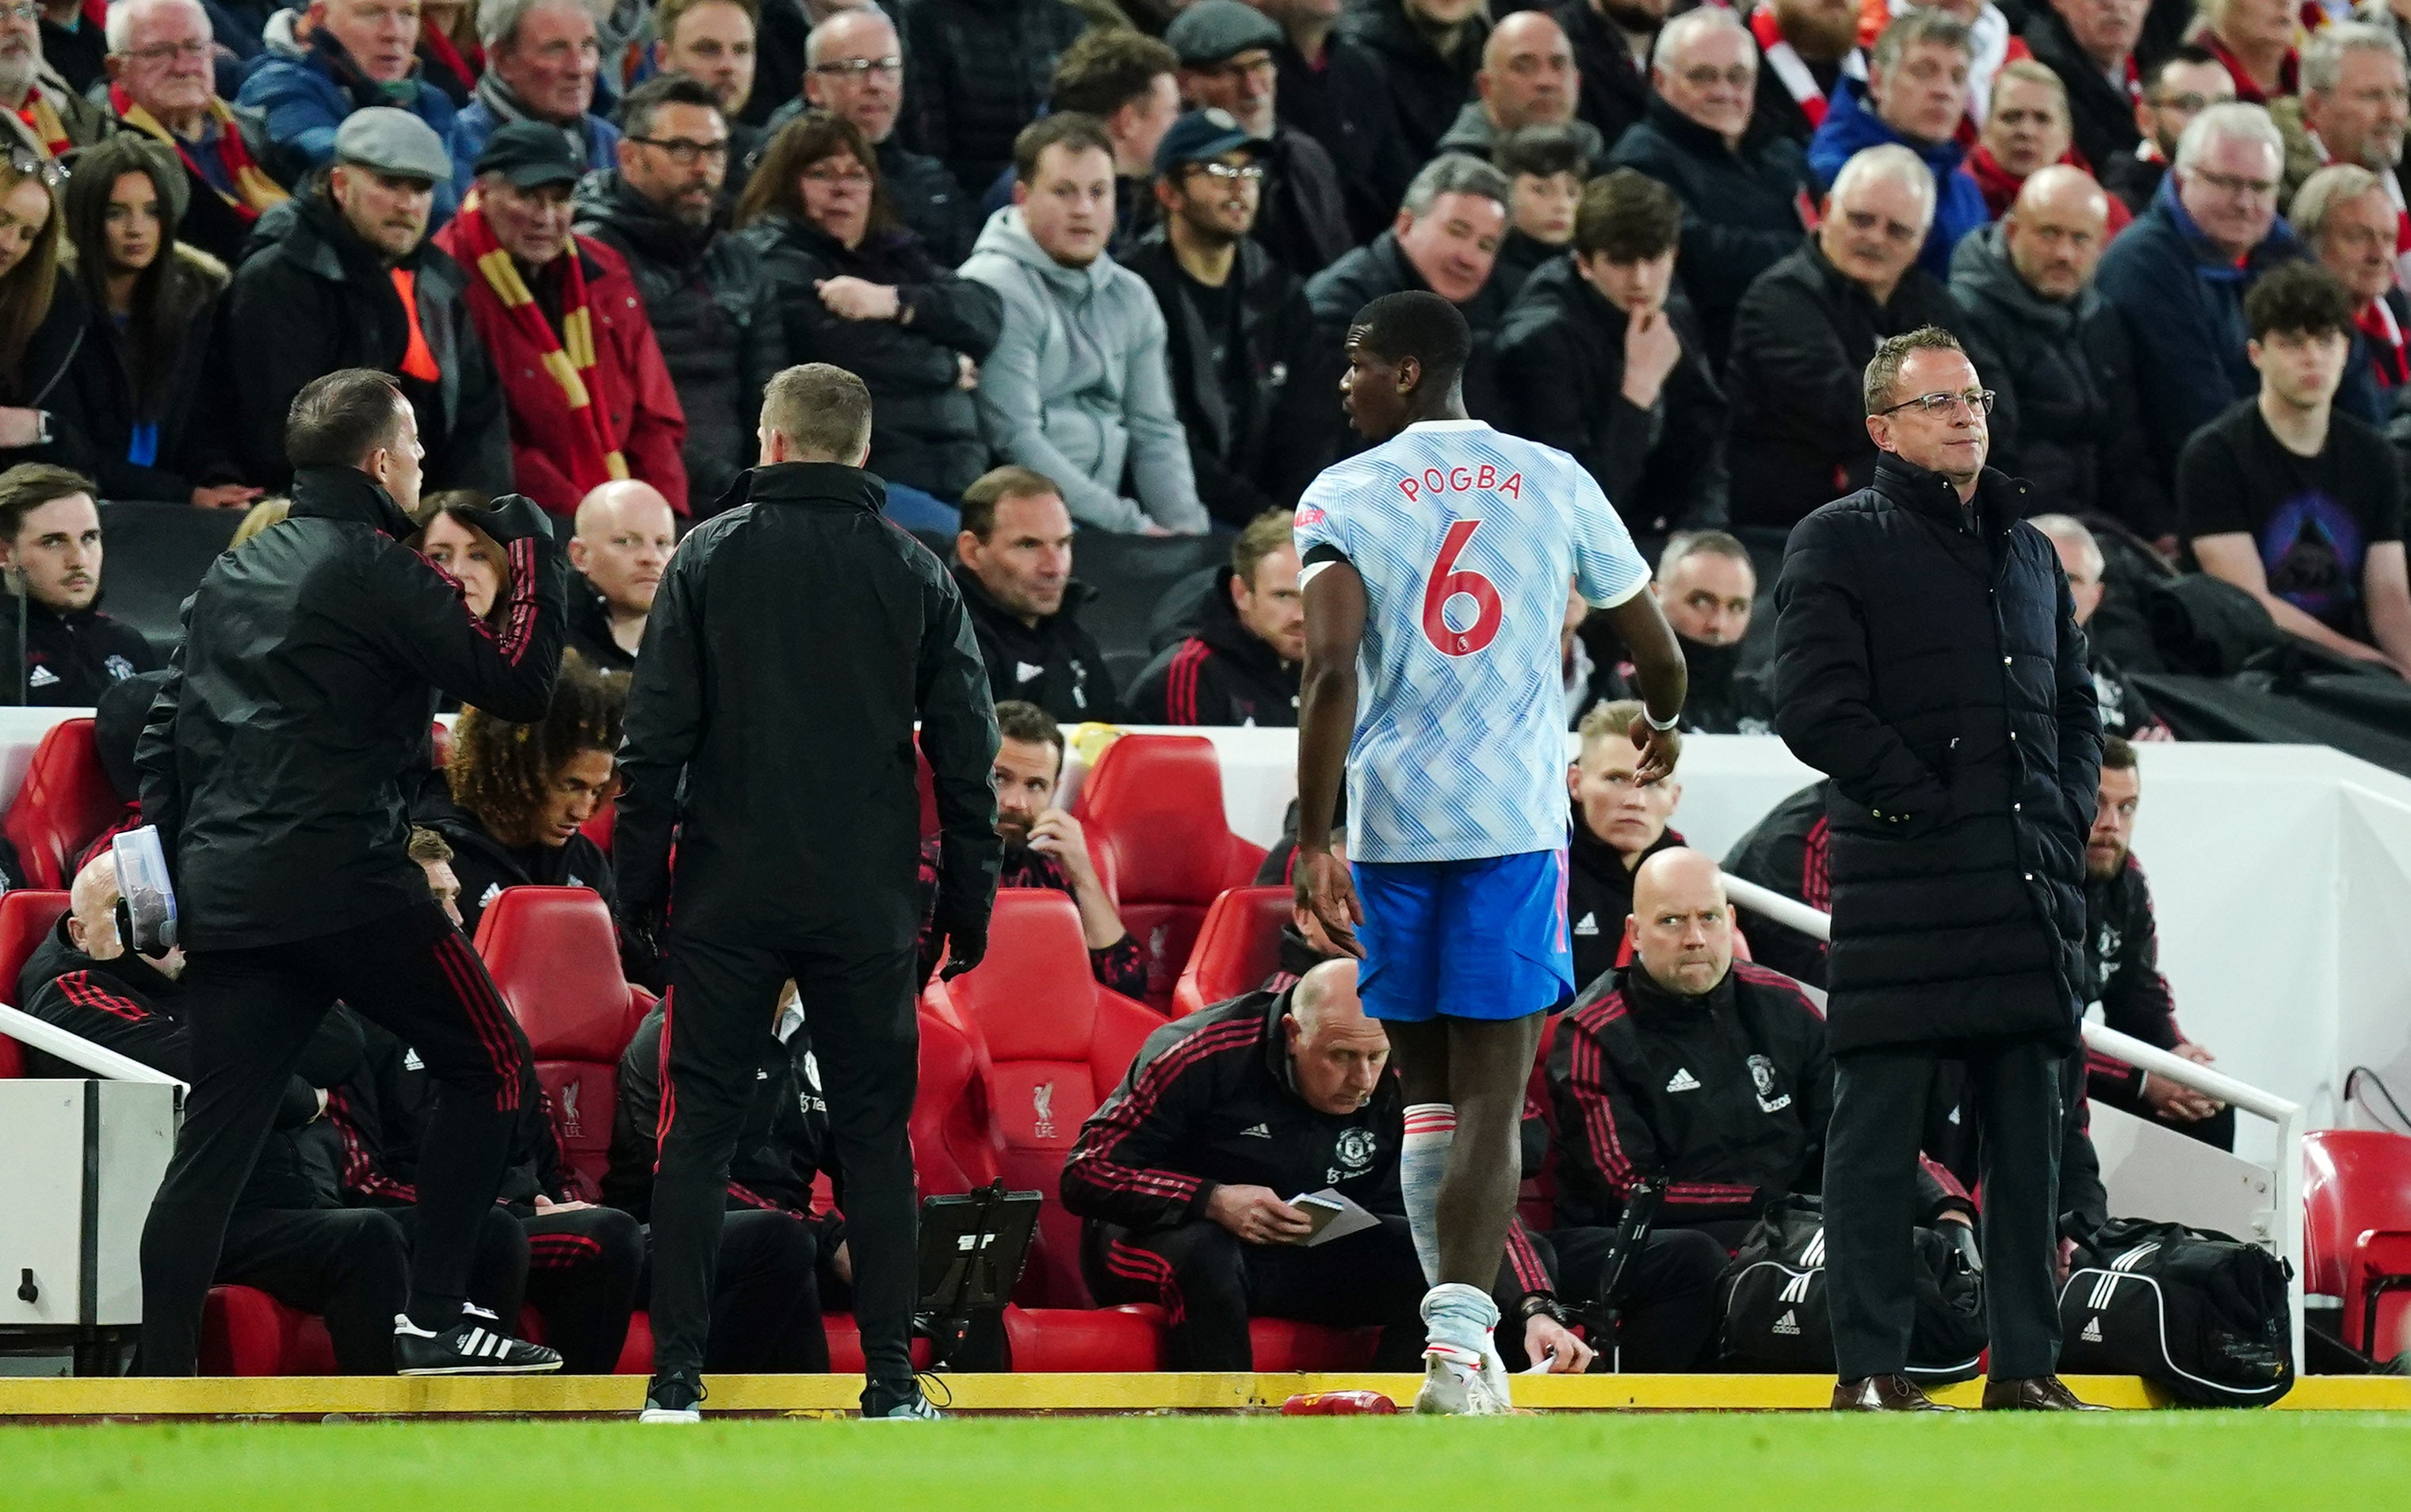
{"points": [[1732, 1463]]}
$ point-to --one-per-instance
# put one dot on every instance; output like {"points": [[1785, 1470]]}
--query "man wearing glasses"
{"points": [[162, 84], [60, 118], [853, 68], [1226, 63], [2179, 274], [714, 314], [1927, 659]]}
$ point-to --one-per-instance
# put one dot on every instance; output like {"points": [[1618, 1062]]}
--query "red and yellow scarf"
{"points": [[569, 357], [254, 191]]}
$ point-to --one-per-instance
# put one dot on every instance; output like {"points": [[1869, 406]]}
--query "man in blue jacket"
{"points": [[542, 61], [360, 53], [2179, 274], [1915, 94]]}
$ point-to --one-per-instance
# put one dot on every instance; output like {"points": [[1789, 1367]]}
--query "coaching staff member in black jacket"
{"points": [[1927, 659], [273, 764], [794, 641]]}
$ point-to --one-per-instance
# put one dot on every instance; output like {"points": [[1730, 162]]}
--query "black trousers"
{"points": [[1879, 1095], [1668, 1319], [582, 1276], [252, 1014], [765, 1301], [351, 1267], [1210, 1283], [859, 1012]]}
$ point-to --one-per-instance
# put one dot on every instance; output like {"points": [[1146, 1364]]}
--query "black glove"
{"points": [[645, 927], [965, 945], [514, 517]]}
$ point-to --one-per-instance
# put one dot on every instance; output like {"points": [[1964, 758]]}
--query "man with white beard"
{"points": [[60, 119]]}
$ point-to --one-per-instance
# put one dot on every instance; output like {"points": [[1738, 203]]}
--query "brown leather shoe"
{"points": [[1885, 1393], [2035, 1394]]}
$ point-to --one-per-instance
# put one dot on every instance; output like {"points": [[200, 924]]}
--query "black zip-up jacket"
{"points": [[126, 1004], [1561, 381], [1055, 664], [1212, 1101], [1222, 673], [1614, 84], [194, 410], [1344, 105], [68, 659], [1802, 338], [274, 757], [380, 1115], [312, 298], [794, 641], [1355, 281], [1740, 209], [41, 382], [1262, 455], [486, 865], [975, 73], [1427, 90], [2101, 115], [2122, 941], [715, 315], [1723, 700], [928, 434], [1303, 221], [1787, 852], [1599, 897], [1724, 1098], [590, 628], [781, 1146]]}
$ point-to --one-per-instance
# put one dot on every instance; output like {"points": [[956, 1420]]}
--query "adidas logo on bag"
{"points": [[1683, 1080], [2092, 1333], [1787, 1323]]}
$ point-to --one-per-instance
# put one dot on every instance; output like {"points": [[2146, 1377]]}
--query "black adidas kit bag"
{"points": [[1772, 1302], [2202, 1315]]}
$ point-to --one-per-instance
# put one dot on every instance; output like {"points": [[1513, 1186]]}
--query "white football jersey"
{"points": [[1466, 540]]}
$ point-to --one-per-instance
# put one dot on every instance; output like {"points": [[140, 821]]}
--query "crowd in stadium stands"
{"points": [[1094, 260]]}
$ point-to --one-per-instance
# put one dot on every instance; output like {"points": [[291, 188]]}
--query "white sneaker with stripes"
{"points": [[476, 1345]]}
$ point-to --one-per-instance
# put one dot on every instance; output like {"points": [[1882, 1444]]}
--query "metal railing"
{"points": [[78, 1051], [2280, 1228]]}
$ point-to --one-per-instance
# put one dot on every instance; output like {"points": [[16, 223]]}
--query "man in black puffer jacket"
{"points": [[975, 73], [2058, 355], [272, 766], [1927, 659], [713, 312], [1429, 52]]}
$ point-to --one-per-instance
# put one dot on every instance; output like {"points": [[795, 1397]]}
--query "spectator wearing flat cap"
{"points": [[345, 277], [1246, 379], [591, 401], [1227, 64]]}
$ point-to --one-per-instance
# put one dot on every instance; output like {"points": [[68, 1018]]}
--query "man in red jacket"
{"points": [[591, 401]]}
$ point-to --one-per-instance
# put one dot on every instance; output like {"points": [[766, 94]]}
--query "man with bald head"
{"points": [[1802, 333], [853, 68], [1527, 79], [2056, 353], [1190, 1178], [625, 534]]}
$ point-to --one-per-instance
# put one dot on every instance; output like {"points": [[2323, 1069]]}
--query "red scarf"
{"points": [[568, 358], [2001, 190], [254, 191], [2387, 357], [2288, 72], [1790, 68]]}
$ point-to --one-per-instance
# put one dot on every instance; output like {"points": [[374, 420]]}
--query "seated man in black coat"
{"points": [[1188, 1176], [1446, 240], [2057, 354], [1428, 52], [1708, 588], [1246, 378], [1240, 665], [2125, 711], [1013, 561], [1598, 358], [2091, 47], [51, 550], [1798, 435], [520, 794], [1747, 200]]}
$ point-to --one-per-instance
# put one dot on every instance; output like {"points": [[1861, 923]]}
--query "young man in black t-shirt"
{"points": [[2297, 504]]}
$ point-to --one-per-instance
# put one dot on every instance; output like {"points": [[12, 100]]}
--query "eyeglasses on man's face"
{"points": [[686, 152], [850, 69], [1976, 400], [1231, 172]]}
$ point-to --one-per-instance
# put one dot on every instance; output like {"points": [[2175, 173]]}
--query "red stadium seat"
{"points": [[1053, 1340], [2356, 1232], [1153, 804], [64, 801], [553, 953], [599, 825], [27, 918], [1056, 1045], [245, 1332], [438, 745], [1281, 1345], [1239, 946]]}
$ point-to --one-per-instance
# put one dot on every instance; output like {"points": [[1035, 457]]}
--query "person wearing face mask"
{"points": [[146, 390], [1793, 438], [589, 398], [2056, 353], [345, 276], [1185, 1176], [1707, 585], [1599, 356], [857, 288]]}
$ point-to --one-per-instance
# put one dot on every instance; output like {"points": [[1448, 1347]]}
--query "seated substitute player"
{"points": [[1044, 847], [1620, 822], [1441, 556], [1186, 1175]]}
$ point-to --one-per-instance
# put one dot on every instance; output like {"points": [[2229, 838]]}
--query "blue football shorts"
{"points": [[1484, 939]]}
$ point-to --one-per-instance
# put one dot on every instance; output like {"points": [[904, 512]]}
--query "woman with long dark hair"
{"points": [[41, 318], [145, 391], [857, 289]]}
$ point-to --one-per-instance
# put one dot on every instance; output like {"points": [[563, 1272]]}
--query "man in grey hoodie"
{"points": [[1078, 387]]}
